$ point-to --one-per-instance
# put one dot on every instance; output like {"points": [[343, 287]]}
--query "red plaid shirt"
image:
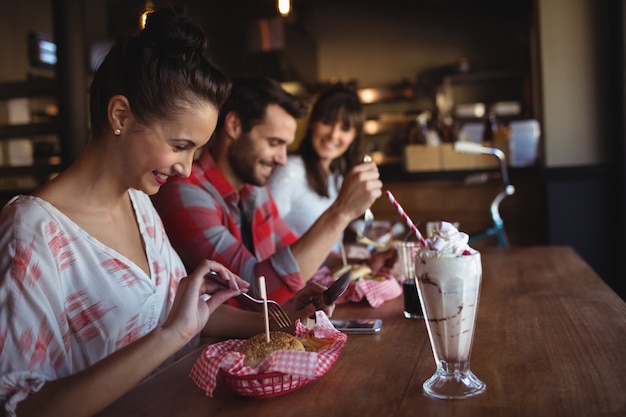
{"points": [[202, 219]]}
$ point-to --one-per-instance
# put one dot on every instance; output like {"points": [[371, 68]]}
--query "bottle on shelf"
{"points": [[418, 130], [501, 139], [488, 129]]}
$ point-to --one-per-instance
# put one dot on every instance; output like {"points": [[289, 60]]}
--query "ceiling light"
{"points": [[284, 7]]}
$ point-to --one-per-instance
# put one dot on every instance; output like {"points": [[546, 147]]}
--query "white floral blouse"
{"points": [[67, 300]]}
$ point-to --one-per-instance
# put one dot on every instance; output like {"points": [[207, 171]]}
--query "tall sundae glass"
{"points": [[449, 275]]}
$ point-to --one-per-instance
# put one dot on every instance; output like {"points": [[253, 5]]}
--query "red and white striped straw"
{"points": [[405, 217]]}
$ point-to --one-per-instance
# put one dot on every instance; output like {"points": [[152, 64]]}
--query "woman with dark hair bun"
{"points": [[92, 296]]}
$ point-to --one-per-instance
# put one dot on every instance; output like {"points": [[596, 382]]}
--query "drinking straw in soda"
{"points": [[405, 217]]}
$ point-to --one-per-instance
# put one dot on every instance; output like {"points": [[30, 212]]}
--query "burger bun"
{"points": [[256, 349]]}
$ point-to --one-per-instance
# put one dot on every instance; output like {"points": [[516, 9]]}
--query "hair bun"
{"points": [[172, 33]]}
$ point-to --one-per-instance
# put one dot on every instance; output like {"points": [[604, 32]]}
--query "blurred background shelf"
{"points": [[29, 135], [34, 129]]}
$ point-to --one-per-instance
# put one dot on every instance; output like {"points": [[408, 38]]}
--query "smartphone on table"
{"points": [[358, 326]]}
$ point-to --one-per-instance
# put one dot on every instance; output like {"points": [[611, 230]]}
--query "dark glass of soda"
{"points": [[412, 307]]}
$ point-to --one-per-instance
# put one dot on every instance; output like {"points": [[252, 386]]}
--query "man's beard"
{"points": [[243, 161]]}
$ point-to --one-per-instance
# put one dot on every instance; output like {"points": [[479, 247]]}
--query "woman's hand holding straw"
{"points": [[405, 217]]}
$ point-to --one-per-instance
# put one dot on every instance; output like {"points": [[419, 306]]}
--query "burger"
{"points": [[256, 349]]}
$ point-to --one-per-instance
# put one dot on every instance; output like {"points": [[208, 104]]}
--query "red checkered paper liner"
{"points": [[309, 365], [374, 291]]}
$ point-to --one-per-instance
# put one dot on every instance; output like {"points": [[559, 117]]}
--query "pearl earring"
{"points": [[117, 132]]}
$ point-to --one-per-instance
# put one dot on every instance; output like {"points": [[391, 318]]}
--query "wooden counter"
{"points": [[550, 341]]}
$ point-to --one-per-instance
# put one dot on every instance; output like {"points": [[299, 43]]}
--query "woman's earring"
{"points": [[117, 132]]}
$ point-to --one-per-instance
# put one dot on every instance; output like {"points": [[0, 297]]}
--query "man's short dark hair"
{"points": [[249, 98]]}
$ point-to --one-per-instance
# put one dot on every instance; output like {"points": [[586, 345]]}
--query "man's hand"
{"points": [[306, 301], [383, 261]]}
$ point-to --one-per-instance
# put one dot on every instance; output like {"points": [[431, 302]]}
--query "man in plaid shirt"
{"points": [[223, 210]]}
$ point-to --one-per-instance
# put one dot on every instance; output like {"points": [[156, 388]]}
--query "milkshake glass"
{"points": [[449, 287]]}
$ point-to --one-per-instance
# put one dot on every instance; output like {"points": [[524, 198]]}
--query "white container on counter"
{"points": [[524, 142]]}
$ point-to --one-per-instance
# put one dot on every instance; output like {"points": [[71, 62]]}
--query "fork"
{"points": [[275, 310], [368, 216]]}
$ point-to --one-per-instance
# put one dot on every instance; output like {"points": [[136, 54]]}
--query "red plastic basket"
{"points": [[283, 374], [263, 385]]}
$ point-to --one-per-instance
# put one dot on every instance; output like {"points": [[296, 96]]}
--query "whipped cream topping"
{"points": [[447, 241]]}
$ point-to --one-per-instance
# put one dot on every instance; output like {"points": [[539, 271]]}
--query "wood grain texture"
{"points": [[550, 341]]}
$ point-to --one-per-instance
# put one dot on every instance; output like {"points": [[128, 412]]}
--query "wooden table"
{"points": [[550, 341]]}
